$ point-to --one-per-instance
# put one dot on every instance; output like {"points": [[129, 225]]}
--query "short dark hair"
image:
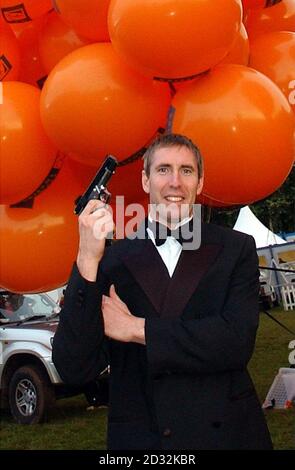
{"points": [[172, 140]]}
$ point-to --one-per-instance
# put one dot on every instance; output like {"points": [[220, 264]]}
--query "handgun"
{"points": [[97, 188]]}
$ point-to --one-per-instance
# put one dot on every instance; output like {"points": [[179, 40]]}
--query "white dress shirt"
{"points": [[170, 250]]}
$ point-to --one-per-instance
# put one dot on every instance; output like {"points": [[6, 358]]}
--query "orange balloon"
{"points": [[85, 173], [9, 53], [31, 67], [26, 153], [14, 11], [56, 40], [39, 245], [280, 17], [207, 201], [92, 104], [87, 17], [239, 52], [127, 182], [244, 127], [253, 4], [274, 55], [174, 39]]}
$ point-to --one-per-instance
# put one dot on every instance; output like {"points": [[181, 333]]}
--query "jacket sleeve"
{"points": [[215, 343], [80, 349]]}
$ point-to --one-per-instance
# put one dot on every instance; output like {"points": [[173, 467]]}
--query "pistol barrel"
{"points": [[97, 186]]}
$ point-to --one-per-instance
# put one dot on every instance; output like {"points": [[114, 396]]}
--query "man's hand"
{"points": [[119, 323], [95, 222]]}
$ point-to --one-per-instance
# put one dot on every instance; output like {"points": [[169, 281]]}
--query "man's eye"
{"points": [[187, 171], [163, 170]]}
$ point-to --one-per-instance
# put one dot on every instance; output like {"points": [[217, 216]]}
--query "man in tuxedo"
{"points": [[176, 325]]}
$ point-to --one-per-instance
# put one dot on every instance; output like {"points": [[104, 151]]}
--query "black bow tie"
{"points": [[182, 234]]}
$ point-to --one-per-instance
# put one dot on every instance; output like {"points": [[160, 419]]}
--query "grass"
{"points": [[271, 353], [72, 427]]}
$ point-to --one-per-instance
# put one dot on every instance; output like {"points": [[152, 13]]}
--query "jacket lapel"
{"points": [[168, 296], [191, 268], [146, 266]]}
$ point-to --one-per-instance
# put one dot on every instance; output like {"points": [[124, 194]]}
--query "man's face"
{"points": [[173, 183]]}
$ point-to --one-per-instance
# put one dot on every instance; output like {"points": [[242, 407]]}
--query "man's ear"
{"points": [[145, 182], [200, 185]]}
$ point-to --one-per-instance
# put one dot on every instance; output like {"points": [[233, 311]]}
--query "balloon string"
{"points": [[28, 202], [170, 118], [181, 79], [139, 153], [270, 3], [55, 6]]}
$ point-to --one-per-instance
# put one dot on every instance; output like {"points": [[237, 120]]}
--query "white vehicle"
{"points": [[29, 382]]}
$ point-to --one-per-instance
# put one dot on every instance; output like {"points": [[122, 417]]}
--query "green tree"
{"points": [[277, 211]]}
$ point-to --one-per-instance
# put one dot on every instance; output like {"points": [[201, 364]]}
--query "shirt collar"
{"points": [[160, 233]]}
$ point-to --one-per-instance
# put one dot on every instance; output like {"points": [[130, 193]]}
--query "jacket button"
{"points": [[167, 432], [80, 297], [216, 424]]}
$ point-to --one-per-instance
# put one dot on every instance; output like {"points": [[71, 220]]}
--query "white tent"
{"points": [[248, 223]]}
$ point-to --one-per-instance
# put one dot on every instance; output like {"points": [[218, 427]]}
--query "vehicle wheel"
{"points": [[30, 395]]}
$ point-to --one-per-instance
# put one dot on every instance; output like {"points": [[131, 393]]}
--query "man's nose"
{"points": [[175, 179]]}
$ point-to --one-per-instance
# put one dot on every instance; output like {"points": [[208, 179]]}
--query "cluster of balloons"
{"points": [[86, 78]]}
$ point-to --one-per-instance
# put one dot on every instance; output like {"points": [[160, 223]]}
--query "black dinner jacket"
{"points": [[188, 387]]}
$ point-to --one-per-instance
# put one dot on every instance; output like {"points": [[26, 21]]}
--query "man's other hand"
{"points": [[119, 323]]}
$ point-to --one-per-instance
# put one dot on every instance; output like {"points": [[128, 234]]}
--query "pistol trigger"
{"points": [[105, 196]]}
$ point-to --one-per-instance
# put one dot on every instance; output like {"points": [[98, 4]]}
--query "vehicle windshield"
{"points": [[19, 307]]}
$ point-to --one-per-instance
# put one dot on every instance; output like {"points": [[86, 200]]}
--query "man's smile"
{"points": [[174, 198]]}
